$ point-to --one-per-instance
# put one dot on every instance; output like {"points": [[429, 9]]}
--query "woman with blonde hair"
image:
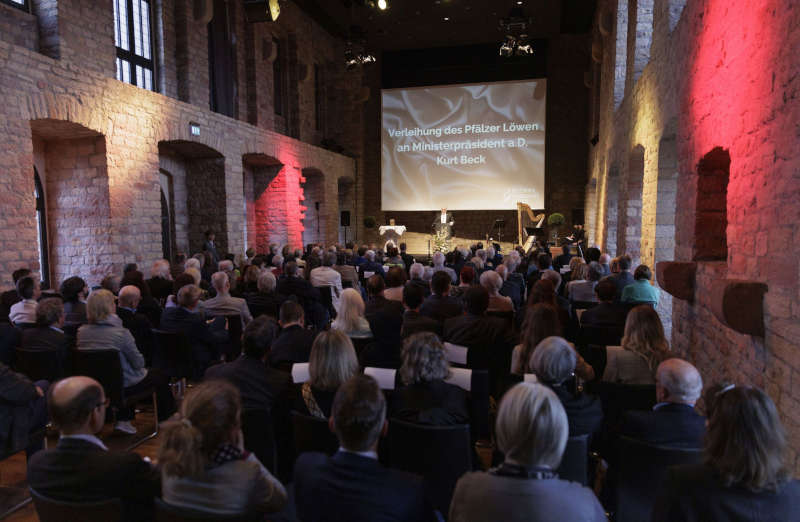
{"points": [[332, 361], [643, 348], [350, 316], [204, 465]]}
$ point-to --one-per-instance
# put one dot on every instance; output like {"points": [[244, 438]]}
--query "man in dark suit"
{"points": [[408, 259], [372, 264], [186, 318], [81, 468], [564, 258], [293, 344], [441, 305], [673, 421], [10, 297], [608, 313], [211, 247], [48, 335], [160, 282], [384, 315], [138, 324], [291, 284], [352, 485], [413, 321], [22, 411], [624, 277]]}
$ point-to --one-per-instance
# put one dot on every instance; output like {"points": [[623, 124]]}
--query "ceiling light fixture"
{"points": [[515, 26], [382, 5], [355, 55]]}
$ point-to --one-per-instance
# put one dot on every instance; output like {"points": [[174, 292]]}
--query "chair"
{"points": [[313, 434], [575, 461], [476, 382], [51, 510], [171, 513], [104, 367], [233, 347], [619, 398], [326, 296], [172, 354], [642, 469], [360, 343], [259, 436], [39, 364], [441, 454]]}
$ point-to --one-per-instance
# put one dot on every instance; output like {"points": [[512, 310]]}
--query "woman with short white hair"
{"points": [[532, 432], [493, 282]]}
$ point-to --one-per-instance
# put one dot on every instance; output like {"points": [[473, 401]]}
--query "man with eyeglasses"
{"points": [[81, 468]]}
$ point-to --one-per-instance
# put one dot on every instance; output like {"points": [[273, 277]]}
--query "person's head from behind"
{"points": [[644, 335], [375, 285], [606, 291], [624, 262], [258, 336], [594, 272], [370, 255], [440, 283], [541, 321], [329, 259], [50, 312], [642, 272], [129, 297], [332, 361], [100, 306], [189, 296], [576, 266], [438, 259], [476, 300], [544, 261], [188, 277], [28, 288], [532, 427], [19, 273], [492, 282], [291, 313], [543, 291], [553, 360], [395, 277], [221, 282], [467, 275], [745, 440], [502, 271], [413, 296], [678, 381], [266, 283], [417, 271], [552, 276], [423, 359], [111, 283], [210, 418], [359, 414], [160, 269], [77, 405], [251, 274], [604, 259]]}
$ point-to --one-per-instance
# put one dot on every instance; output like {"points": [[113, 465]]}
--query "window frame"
{"points": [[130, 56], [41, 225], [24, 6]]}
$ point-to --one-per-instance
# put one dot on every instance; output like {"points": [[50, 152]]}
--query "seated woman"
{"points": [[582, 290], [424, 397], [532, 433], [641, 290], [74, 291], [393, 258], [493, 282], [466, 279], [643, 348], [105, 332], [147, 305], [204, 465], [395, 281], [542, 321], [332, 361], [746, 474], [350, 318], [250, 279], [553, 362]]}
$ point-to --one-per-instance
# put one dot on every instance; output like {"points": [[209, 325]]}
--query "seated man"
{"points": [[413, 321], [325, 275], [641, 291], [160, 281], [292, 284], [416, 276], [673, 421], [10, 297], [266, 300], [24, 311], [371, 265], [346, 270], [138, 324], [513, 285], [438, 266], [187, 319], [48, 335], [224, 303], [441, 305], [607, 313], [22, 411], [352, 485], [293, 344], [385, 319], [623, 278], [261, 387], [81, 468]]}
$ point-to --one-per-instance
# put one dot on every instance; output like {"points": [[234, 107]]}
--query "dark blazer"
{"points": [[211, 247], [9, 340], [605, 314], [426, 287], [262, 303], [261, 387], [414, 322], [695, 493], [205, 344], [160, 288], [373, 266], [562, 260], [75, 312], [435, 403], [79, 471], [488, 339], [292, 345], [441, 307], [385, 318], [299, 287], [668, 425], [17, 393], [141, 329], [584, 411], [352, 488], [7, 299], [622, 280], [513, 289], [48, 340]]}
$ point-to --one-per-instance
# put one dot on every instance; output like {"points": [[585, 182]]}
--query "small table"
{"points": [[392, 233]]}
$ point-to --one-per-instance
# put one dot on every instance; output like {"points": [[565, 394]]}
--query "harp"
{"points": [[528, 224]]}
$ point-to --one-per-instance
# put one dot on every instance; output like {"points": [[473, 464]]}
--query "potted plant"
{"points": [[369, 222], [555, 220]]}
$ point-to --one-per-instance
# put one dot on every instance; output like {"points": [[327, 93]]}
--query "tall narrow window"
{"points": [[277, 78], [19, 4], [134, 40], [41, 227], [221, 61], [319, 97]]}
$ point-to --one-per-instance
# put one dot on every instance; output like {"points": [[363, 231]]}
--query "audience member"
{"points": [[292, 284], [278, 265], [74, 291], [160, 281], [622, 278], [371, 265], [565, 259], [346, 270], [532, 432], [10, 297], [643, 348], [147, 305], [23, 312], [554, 364], [746, 473], [265, 300], [393, 258], [224, 303], [204, 465], [293, 344], [352, 485], [249, 284], [185, 318], [438, 266], [577, 270], [413, 321], [416, 276], [543, 291], [350, 319], [425, 397], [136, 323], [385, 317], [408, 259], [673, 421], [441, 305], [605, 267], [23, 411], [333, 361], [493, 282], [210, 248], [111, 283], [641, 290], [582, 290], [325, 275], [48, 335], [512, 287], [395, 281], [81, 468], [607, 313]]}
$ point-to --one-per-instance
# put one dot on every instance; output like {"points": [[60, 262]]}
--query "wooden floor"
{"points": [[13, 470]]}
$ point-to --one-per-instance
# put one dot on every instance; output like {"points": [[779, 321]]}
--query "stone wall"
{"points": [[18, 27], [721, 78]]}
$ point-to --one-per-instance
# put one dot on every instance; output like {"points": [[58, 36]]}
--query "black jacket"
{"points": [[293, 345], [414, 322], [441, 308], [584, 411], [49, 340], [17, 392], [141, 329], [668, 425], [261, 303], [435, 403], [205, 344], [695, 493], [352, 488], [160, 288], [385, 318], [489, 341], [606, 314], [426, 287], [261, 387]]}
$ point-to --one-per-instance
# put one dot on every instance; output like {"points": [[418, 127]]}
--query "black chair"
{"points": [[259, 436], [441, 454], [326, 296], [104, 366], [575, 462], [51, 510], [360, 343], [39, 364], [172, 354], [619, 398], [642, 469], [232, 348], [171, 513], [312, 434]]}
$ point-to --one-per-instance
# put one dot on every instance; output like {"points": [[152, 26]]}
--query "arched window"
{"points": [[41, 226]]}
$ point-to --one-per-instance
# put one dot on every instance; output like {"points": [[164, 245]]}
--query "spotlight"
{"points": [[515, 26], [382, 5]]}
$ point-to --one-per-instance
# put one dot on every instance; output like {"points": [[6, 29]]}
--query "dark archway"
{"points": [[711, 218], [314, 201], [265, 201]]}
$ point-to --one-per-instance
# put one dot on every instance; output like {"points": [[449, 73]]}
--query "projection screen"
{"points": [[463, 147]]}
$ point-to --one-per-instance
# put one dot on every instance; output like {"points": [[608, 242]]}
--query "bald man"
{"points": [[137, 323], [81, 468], [673, 421]]}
